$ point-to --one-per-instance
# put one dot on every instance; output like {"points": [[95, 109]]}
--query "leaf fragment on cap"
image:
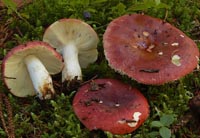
{"points": [[136, 118], [176, 60]]}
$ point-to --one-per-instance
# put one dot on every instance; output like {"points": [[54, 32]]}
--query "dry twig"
{"points": [[8, 127]]}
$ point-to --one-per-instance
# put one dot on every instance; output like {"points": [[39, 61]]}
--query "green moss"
{"points": [[55, 118]]}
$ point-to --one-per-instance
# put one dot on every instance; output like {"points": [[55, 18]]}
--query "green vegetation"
{"points": [[55, 118]]}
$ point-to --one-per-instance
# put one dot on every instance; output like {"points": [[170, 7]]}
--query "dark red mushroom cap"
{"points": [[148, 49], [110, 105]]}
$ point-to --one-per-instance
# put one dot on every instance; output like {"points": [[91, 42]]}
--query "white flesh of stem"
{"points": [[72, 68], [42, 81]]}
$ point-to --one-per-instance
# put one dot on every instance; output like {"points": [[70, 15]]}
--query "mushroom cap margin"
{"points": [[76, 32], [14, 72]]}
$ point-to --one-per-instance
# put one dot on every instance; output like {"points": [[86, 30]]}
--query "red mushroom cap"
{"points": [[148, 49], [110, 105]]}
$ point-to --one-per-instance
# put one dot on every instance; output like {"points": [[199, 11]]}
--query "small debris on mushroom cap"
{"points": [[165, 43], [149, 49], [175, 44], [146, 34], [117, 105], [160, 53]]}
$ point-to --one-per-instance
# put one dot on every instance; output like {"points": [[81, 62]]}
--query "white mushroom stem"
{"points": [[71, 68], [42, 81]]}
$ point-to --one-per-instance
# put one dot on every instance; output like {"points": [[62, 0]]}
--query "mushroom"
{"points": [[27, 68], [149, 50], [76, 41], [110, 105]]}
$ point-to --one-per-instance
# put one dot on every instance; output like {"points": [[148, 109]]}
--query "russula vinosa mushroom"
{"points": [[110, 105], [26, 69], [148, 49], [76, 41]]}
